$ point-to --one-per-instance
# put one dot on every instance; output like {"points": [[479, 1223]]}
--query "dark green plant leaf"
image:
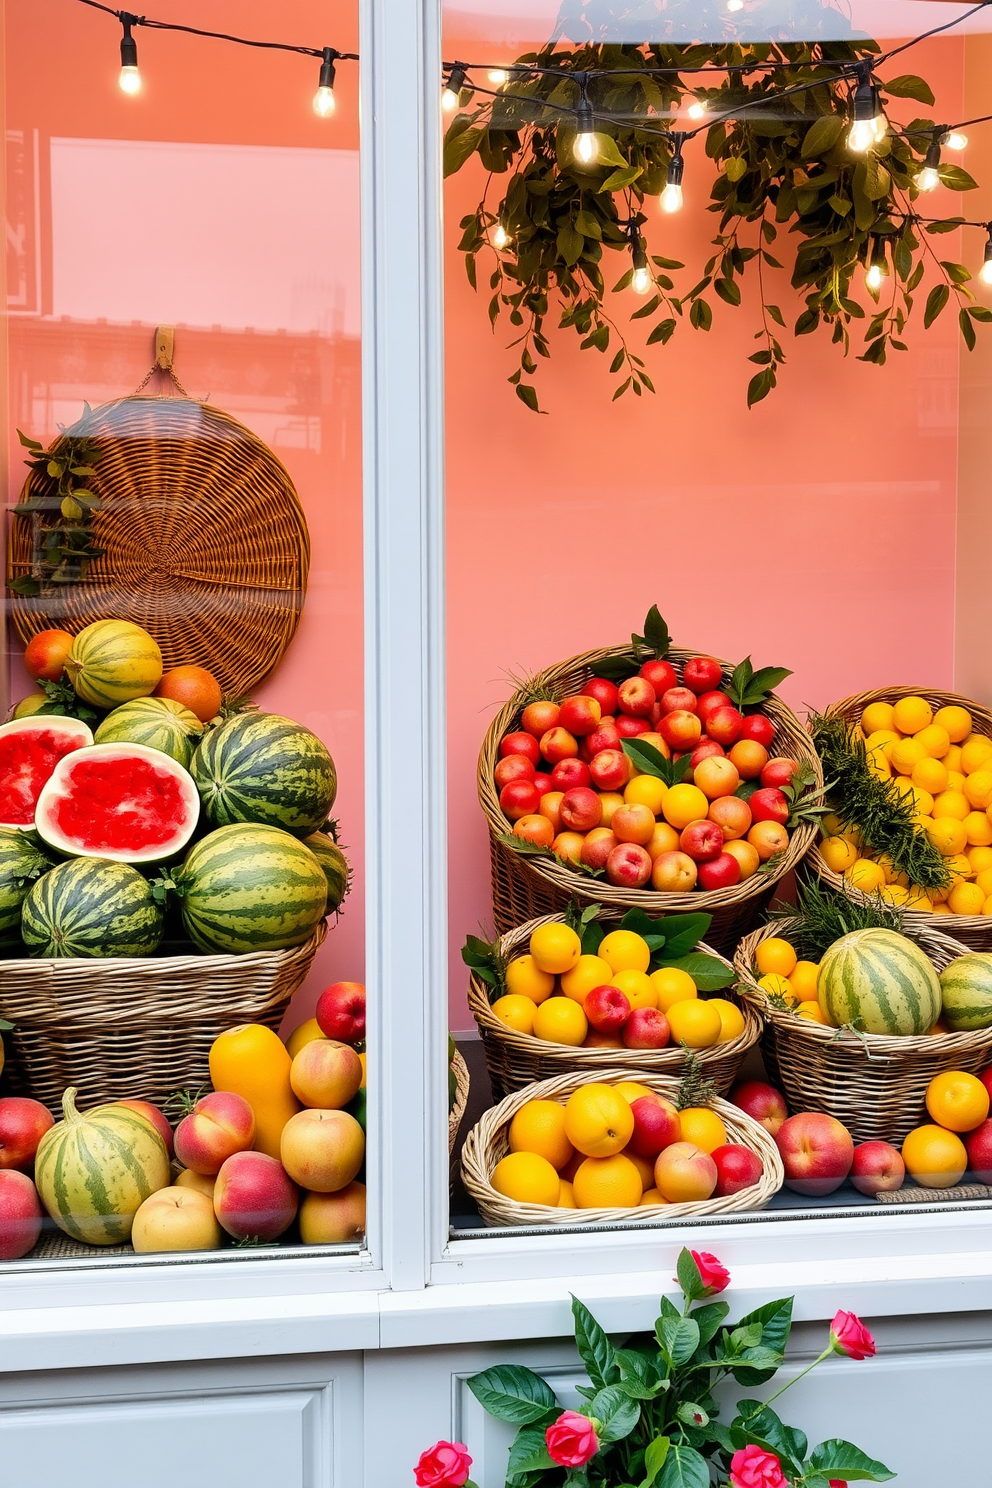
{"points": [[689, 1279], [529, 1452], [678, 1339], [854, 1466], [683, 932], [936, 300], [776, 1321], [957, 179], [616, 1410], [595, 1349], [708, 1319], [684, 1467], [709, 974], [513, 1393], [822, 135], [762, 1426], [908, 86], [654, 1459]]}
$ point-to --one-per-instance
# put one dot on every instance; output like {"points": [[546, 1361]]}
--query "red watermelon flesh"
{"points": [[30, 749], [118, 801]]}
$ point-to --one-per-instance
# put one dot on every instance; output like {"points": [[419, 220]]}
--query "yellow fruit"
{"points": [[832, 826], [951, 803], [802, 980], [976, 751], [948, 835], [644, 1166], [942, 909], [838, 853], [952, 759], [651, 1197], [957, 1101], [646, 790], [978, 829], [555, 948], [935, 741], [683, 804], [598, 1121], [966, 899], [365, 1068], [703, 1128], [516, 1011], [911, 714], [253, 1062], [587, 973], [955, 780], [622, 950], [672, 985], [879, 767], [610, 801], [867, 876], [775, 954], [561, 1021], [958, 866], [930, 775], [919, 899], [813, 1012], [524, 978], [934, 1157], [539, 1127], [631, 1091], [566, 1198], [906, 755], [956, 720], [987, 908], [607, 1183], [877, 716], [978, 788], [527, 1179], [637, 987], [731, 1019], [984, 882], [895, 894], [980, 858], [923, 801], [694, 1023], [892, 873], [307, 1033], [777, 985]]}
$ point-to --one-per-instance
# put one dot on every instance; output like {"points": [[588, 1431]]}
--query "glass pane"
{"points": [[203, 482], [701, 357]]}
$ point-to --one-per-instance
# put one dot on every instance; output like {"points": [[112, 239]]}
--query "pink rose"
{"points": [[753, 1468], [572, 1440], [715, 1278], [445, 1465], [848, 1335]]}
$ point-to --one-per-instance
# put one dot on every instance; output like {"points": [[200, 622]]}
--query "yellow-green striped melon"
{"points": [[94, 1171], [966, 991], [880, 982], [112, 661]]}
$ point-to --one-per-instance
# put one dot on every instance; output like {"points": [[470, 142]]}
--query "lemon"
{"points": [[813, 1012], [948, 835], [703, 1128], [911, 714], [956, 720], [631, 1090], [952, 759], [866, 876], [526, 1178], [587, 973], [980, 858], [934, 1157], [879, 767], [978, 788], [525, 978], [731, 1019], [975, 752], [622, 950], [566, 1198], [966, 899], [307, 1033], [672, 985], [516, 1011], [893, 875], [555, 948], [684, 804], [777, 985], [607, 1183], [802, 980], [539, 1127], [646, 790], [652, 1196], [775, 954], [877, 716], [984, 882], [959, 866], [930, 775], [894, 893], [955, 780], [598, 1121], [979, 829], [882, 742], [838, 853], [694, 1023], [906, 755], [951, 803], [561, 1021], [935, 740], [638, 988], [923, 801]]}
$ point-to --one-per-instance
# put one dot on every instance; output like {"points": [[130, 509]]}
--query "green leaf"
{"points": [[678, 1339], [617, 1412], [648, 759], [528, 1452], [570, 244], [638, 1375], [760, 386], [595, 1349], [957, 179], [683, 937], [841, 1457], [728, 290], [822, 135], [31, 444], [765, 1429], [513, 1393], [700, 315], [663, 332], [689, 1278], [528, 395], [684, 1467], [656, 634], [776, 1322], [908, 86], [967, 329], [654, 1459], [936, 300], [618, 179], [709, 974], [460, 147], [709, 1318], [762, 682]]}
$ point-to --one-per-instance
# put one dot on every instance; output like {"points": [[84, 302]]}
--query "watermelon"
{"points": [[881, 982], [966, 992], [88, 907], [30, 749], [111, 661], [21, 862], [158, 723], [94, 1171], [118, 801], [335, 866], [248, 887], [259, 767]]}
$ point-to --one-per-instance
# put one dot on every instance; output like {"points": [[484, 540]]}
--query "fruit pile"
{"points": [[944, 768], [620, 1147], [231, 807], [281, 1139], [659, 783], [611, 999]]}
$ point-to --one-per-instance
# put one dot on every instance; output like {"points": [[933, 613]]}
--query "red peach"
{"points": [[610, 770], [152, 1114], [551, 807], [674, 873], [647, 1028], [580, 715], [219, 1125], [568, 774], [745, 856], [721, 872], [724, 725], [759, 728], [558, 744], [581, 809], [519, 798], [598, 1041], [702, 673], [634, 823], [20, 1215], [779, 772], [716, 777], [817, 1152], [23, 1123], [762, 1102], [604, 737], [656, 1122], [709, 703], [607, 1009], [637, 697], [596, 848], [663, 839], [538, 717], [736, 1168], [629, 727], [513, 767], [605, 693], [326, 1074], [568, 846], [877, 1168], [680, 730], [978, 1145], [520, 743], [542, 784], [732, 815], [682, 1172], [985, 1076], [749, 757], [702, 840], [254, 1199], [707, 749], [678, 700], [661, 675], [769, 806], [628, 866], [340, 1011]]}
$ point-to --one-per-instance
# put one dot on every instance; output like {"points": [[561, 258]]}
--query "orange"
{"points": [[881, 742], [555, 947], [893, 875], [598, 1121], [527, 1178], [622, 950], [802, 980], [911, 714], [978, 788], [980, 858], [978, 828], [252, 1061], [637, 987], [645, 790], [695, 1024], [672, 985], [568, 846], [524, 978], [952, 759], [194, 687], [731, 1019], [305, 1034], [775, 954], [684, 804], [703, 1128], [566, 1198], [958, 866], [956, 720], [894, 893], [587, 973], [539, 1127], [906, 755], [935, 740], [877, 716], [951, 803], [984, 882], [955, 780], [561, 1021], [948, 835], [879, 766], [934, 1157], [866, 876], [516, 1011], [768, 838], [838, 853], [813, 1012], [607, 1183], [957, 1101], [930, 775], [551, 807], [610, 801], [631, 1091], [976, 751], [777, 985], [922, 801], [651, 1197], [644, 1166], [746, 855], [536, 829]]}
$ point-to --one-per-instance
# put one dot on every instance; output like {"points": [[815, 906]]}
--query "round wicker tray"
{"points": [[527, 887], [516, 1060], [974, 931], [874, 1084], [487, 1142], [137, 1028], [205, 541], [457, 1111]]}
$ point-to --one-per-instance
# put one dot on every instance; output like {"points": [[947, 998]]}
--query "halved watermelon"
{"points": [[123, 802], [30, 749]]}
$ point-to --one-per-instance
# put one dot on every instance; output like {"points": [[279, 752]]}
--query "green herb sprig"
{"points": [[824, 916], [62, 545]]}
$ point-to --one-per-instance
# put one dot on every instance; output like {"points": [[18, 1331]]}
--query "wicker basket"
{"points": [[461, 1099], [874, 1084], [527, 887], [137, 1028], [973, 931], [518, 1059], [487, 1142]]}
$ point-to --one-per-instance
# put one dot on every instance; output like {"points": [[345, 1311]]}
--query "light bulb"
{"points": [[735, 4], [324, 102], [586, 148], [927, 179], [697, 110], [862, 135], [880, 124], [671, 199], [498, 76], [985, 272], [323, 99], [130, 78], [449, 100], [457, 78], [869, 124], [586, 145], [641, 281], [874, 277], [499, 238], [130, 81], [955, 141]]}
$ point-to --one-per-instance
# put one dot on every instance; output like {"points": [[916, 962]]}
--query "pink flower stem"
{"points": [[796, 1378]]}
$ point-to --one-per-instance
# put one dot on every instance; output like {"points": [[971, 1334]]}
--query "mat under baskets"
{"points": [[488, 1141], [874, 1084], [134, 1027]]}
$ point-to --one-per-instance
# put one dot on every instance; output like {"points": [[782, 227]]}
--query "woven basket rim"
{"points": [[564, 880], [78, 966], [457, 1111], [485, 1135]]}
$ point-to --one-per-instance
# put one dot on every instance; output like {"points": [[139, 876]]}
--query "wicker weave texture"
{"points": [[526, 887], [516, 1060], [137, 1028], [876, 1085], [457, 1111], [973, 931], [488, 1141], [205, 541]]}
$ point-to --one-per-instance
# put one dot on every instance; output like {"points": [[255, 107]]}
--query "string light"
{"points": [[498, 76], [586, 145], [499, 237], [323, 99], [698, 109], [735, 5], [671, 197], [878, 267], [130, 78], [457, 79], [869, 125], [928, 178], [952, 140], [640, 279], [985, 272]]}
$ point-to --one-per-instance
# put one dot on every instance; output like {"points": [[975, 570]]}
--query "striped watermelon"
{"points": [[111, 661], [122, 802], [966, 990], [248, 887], [259, 767], [21, 862], [93, 1172], [157, 723], [879, 981], [30, 750], [89, 907], [335, 866]]}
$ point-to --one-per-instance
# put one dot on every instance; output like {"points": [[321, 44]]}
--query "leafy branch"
{"points": [[61, 508]]}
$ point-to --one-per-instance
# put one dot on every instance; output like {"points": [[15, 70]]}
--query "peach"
{"points": [[663, 839], [629, 727], [322, 1150], [607, 1009], [628, 866], [568, 774], [768, 838], [519, 798], [681, 730], [706, 749], [611, 801], [749, 758], [732, 816], [656, 1126], [709, 702], [581, 809], [724, 725], [550, 806], [716, 776], [702, 840], [202, 1182], [602, 738], [633, 824], [558, 744], [333, 1218], [683, 1174], [596, 848], [736, 1168], [647, 1028], [326, 1074], [817, 1153], [605, 693], [677, 700], [746, 855], [520, 743], [759, 728], [219, 1125], [661, 675], [537, 718], [20, 1215], [513, 767], [254, 1198], [23, 1123], [769, 805], [568, 846], [779, 772], [673, 873], [176, 1218], [610, 770], [721, 872], [580, 715], [637, 697], [702, 673], [763, 1103], [877, 1168]]}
